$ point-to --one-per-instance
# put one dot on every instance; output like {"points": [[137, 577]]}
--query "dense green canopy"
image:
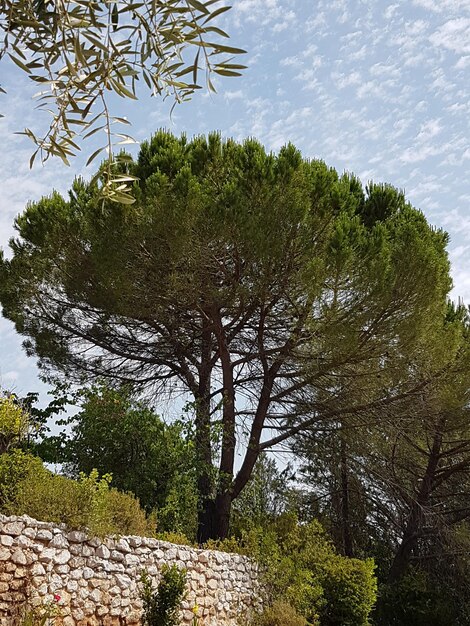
{"points": [[263, 285]]}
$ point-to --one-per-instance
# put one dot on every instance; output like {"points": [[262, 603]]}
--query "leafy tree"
{"points": [[14, 423], [117, 435], [255, 282], [80, 52], [268, 494]]}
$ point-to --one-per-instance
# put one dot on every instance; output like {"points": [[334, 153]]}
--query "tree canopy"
{"points": [[266, 286]]}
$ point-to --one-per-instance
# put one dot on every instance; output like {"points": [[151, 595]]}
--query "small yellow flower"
{"points": [[195, 609]]}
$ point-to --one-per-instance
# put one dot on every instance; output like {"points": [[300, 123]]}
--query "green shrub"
{"points": [[279, 614], [417, 600], [174, 537], [14, 423], [15, 467], [27, 487], [303, 570], [349, 590], [162, 607]]}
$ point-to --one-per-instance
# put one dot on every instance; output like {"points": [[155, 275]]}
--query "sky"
{"points": [[373, 87]]}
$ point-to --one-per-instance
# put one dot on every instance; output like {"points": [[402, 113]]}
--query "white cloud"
{"points": [[453, 35], [444, 6]]}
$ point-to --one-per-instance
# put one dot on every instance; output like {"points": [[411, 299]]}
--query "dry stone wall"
{"points": [[97, 581]]}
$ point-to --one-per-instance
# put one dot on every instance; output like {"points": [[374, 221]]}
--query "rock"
{"points": [[4, 554], [47, 555], [87, 573], [58, 541], [87, 550], [6, 540], [76, 536], [184, 555], [30, 533], [12, 528], [19, 557], [44, 535], [103, 552], [135, 542], [131, 560], [123, 546], [61, 557]]}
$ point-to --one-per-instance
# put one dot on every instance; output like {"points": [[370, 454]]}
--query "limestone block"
{"points": [[4, 554], [103, 552], [6, 540], [58, 541], [44, 535], [61, 557], [47, 555], [19, 557], [30, 532], [132, 560], [14, 528], [76, 536], [87, 550], [123, 546]]}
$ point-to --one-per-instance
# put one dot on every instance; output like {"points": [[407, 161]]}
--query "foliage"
{"points": [[267, 495], [161, 607], [303, 570], [279, 614], [181, 293], [79, 52], [14, 422], [27, 487], [174, 537], [16, 468], [118, 435], [350, 591], [414, 599], [47, 614]]}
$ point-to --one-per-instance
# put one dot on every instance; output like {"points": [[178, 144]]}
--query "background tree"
{"points": [[407, 470], [252, 281], [79, 53], [269, 493], [116, 435]]}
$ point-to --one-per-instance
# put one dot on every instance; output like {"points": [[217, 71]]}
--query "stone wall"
{"points": [[97, 581]]}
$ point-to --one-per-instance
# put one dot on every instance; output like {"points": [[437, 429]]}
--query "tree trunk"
{"points": [[223, 508], [416, 516], [407, 545], [205, 485]]}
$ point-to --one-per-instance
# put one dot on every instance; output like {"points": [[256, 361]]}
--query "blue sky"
{"points": [[378, 88]]}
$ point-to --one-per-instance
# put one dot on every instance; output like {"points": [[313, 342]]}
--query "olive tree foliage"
{"points": [[256, 283], [79, 52]]}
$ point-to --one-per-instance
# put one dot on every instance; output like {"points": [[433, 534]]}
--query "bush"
{"points": [[15, 467], [279, 614], [417, 600], [175, 537], [161, 607], [27, 487], [350, 592], [14, 423], [302, 569]]}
